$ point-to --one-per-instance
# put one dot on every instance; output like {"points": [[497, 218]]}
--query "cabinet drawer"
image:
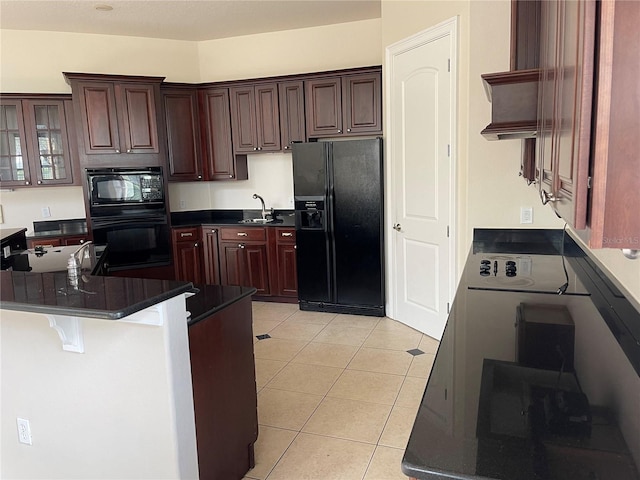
{"points": [[285, 235], [185, 234], [243, 233]]}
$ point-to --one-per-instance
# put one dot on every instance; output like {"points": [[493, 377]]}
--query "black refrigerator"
{"points": [[338, 195]]}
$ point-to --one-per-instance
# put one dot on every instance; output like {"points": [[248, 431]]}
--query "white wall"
{"points": [[123, 409]]}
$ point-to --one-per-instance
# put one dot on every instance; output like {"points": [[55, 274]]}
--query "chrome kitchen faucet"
{"points": [[264, 209]]}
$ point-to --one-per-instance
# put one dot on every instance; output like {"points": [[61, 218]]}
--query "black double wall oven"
{"points": [[128, 213]]}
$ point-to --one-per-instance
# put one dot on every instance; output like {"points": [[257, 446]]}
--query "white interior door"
{"points": [[421, 90]]}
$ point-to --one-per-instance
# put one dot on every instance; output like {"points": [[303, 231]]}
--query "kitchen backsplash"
{"points": [[270, 176]]}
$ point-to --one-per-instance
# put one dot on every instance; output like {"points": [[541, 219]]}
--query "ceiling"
{"points": [[193, 20]]}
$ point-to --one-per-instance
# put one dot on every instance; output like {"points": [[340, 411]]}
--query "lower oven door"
{"points": [[134, 242]]}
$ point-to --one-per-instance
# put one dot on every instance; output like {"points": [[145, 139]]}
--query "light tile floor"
{"points": [[337, 394]]}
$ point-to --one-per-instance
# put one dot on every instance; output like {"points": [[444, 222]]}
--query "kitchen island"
{"points": [[110, 376], [526, 383]]}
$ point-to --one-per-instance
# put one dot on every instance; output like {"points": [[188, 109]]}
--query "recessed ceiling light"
{"points": [[103, 8]]}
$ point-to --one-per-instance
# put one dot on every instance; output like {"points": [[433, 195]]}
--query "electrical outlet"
{"points": [[526, 215], [24, 431], [1, 215], [183, 204], [291, 201], [46, 212]]}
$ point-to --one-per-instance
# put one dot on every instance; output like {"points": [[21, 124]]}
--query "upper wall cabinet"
{"points": [[255, 118], [118, 119], [588, 167], [35, 145], [183, 133], [344, 105], [292, 119], [215, 122]]}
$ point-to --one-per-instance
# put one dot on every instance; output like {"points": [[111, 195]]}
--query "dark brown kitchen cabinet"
{"points": [[118, 119], [188, 254], [211, 258], [66, 240], [344, 105], [285, 262], [244, 258], [255, 118], [183, 133], [35, 145], [565, 96], [220, 163], [587, 162], [292, 119]]}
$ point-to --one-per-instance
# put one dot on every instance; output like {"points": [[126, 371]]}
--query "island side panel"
{"points": [[224, 391], [109, 412]]}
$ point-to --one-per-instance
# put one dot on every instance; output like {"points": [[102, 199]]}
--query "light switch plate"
{"points": [[526, 215]]}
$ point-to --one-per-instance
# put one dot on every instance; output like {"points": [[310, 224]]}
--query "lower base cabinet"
{"points": [[224, 391], [260, 257]]}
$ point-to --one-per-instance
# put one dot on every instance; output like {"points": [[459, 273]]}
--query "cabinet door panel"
{"points": [[139, 118], [98, 117], [216, 124], [211, 259], [243, 119], [292, 125], [267, 117], [232, 264], [257, 268], [287, 274], [183, 135], [363, 103], [188, 263], [324, 106], [14, 169], [574, 82], [51, 154]]}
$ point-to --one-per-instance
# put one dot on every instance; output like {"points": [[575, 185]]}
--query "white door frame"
{"points": [[446, 28]]}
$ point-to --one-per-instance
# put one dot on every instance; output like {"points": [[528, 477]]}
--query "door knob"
{"points": [[397, 227]]}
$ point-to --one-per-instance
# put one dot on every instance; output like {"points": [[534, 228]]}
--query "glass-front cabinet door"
{"points": [[14, 169], [34, 142], [49, 151]]}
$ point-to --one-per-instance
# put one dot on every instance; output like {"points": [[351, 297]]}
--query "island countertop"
{"points": [[38, 282], [491, 408]]}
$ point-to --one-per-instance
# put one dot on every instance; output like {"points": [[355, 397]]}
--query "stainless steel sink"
{"points": [[255, 220]]}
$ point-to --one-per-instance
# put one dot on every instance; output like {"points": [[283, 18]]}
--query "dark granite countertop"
{"points": [[210, 299], [39, 283], [517, 391], [284, 218]]}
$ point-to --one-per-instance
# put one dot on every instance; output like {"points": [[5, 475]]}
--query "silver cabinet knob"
{"points": [[213, 230], [27, 182], [129, 150], [259, 148], [195, 244], [348, 129], [287, 147], [547, 197], [397, 227], [199, 177], [241, 245], [339, 131], [230, 176], [39, 182], [117, 150]]}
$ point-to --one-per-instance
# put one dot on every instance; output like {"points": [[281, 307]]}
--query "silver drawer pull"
{"points": [[186, 235], [242, 234], [287, 234]]}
